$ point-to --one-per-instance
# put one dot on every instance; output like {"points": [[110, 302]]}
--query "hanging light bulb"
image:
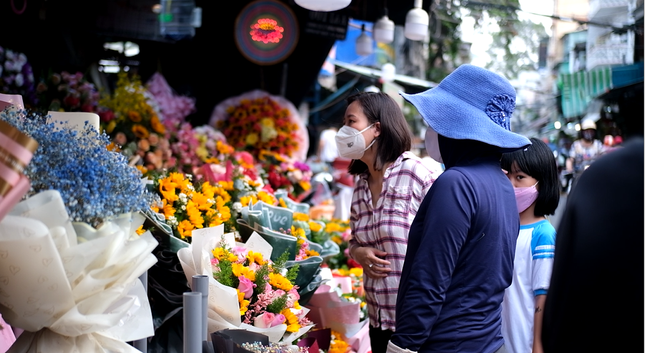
{"points": [[323, 5], [416, 22], [388, 72], [364, 43], [384, 30]]}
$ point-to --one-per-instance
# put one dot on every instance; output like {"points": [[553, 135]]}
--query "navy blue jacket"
{"points": [[460, 255]]}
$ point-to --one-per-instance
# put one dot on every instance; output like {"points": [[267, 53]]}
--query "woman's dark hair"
{"points": [[537, 161], [395, 137]]}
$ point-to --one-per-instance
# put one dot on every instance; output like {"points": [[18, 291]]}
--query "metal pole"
{"points": [[200, 284], [192, 322], [142, 344]]}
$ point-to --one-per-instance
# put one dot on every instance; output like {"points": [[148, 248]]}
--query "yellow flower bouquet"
{"points": [[187, 206]]}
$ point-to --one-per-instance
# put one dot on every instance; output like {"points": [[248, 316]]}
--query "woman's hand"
{"points": [[372, 261]]}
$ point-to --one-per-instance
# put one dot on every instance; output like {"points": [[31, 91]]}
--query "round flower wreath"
{"points": [[257, 121]]}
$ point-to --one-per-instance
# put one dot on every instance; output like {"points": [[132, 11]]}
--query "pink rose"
{"points": [[268, 319], [246, 286]]}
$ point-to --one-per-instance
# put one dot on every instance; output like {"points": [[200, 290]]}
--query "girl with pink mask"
{"points": [[533, 173]]}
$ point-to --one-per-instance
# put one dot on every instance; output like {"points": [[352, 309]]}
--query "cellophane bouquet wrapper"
{"points": [[223, 304], [71, 287]]}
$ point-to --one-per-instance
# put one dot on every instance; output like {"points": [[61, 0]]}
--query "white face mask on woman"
{"points": [[351, 143]]}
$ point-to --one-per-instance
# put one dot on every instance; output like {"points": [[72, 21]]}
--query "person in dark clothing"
{"points": [[461, 245], [600, 245]]}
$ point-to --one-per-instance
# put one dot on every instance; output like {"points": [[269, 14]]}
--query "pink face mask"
{"points": [[525, 197]]}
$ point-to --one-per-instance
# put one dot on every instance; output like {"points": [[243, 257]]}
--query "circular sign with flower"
{"points": [[266, 32], [257, 121]]}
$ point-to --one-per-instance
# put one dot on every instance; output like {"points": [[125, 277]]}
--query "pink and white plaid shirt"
{"points": [[386, 228]]}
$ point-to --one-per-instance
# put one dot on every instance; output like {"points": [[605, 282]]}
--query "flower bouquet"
{"points": [[282, 172], [71, 255], [68, 93], [17, 77], [187, 206], [257, 121], [246, 289], [70, 286], [131, 117]]}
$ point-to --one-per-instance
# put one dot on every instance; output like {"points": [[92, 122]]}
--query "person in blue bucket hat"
{"points": [[461, 243]]}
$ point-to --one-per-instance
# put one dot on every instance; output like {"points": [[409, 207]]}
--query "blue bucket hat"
{"points": [[471, 103]]}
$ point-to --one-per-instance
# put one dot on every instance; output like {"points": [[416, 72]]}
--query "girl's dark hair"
{"points": [[395, 137], [537, 161]]}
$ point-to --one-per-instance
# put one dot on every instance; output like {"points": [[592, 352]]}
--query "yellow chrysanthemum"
{"points": [[305, 185], [157, 126], [241, 270], [245, 200], [140, 230], [252, 139], [167, 189], [185, 228], [333, 227], [311, 253], [201, 201], [299, 216], [256, 257], [266, 197], [134, 116], [224, 148], [244, 304], [140, 131], [315, 226], [279, 281], [292, 320], [227, 185], [194, 215], [168, 210]]}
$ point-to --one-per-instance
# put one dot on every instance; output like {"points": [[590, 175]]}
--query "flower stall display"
{"points": [[17, 77], [71, 256], [130, 116], [257, 121], [67, 92], [247, 290]]}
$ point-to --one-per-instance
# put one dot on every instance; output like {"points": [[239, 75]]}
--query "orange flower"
{"points": [[157, 125], [140, 131], [134, 116]]}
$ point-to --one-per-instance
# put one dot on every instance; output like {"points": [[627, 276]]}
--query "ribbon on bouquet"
{"points": [[71, 287]]}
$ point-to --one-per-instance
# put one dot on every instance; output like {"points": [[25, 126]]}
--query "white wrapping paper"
{"points": [[71, 287], [223, 305]]}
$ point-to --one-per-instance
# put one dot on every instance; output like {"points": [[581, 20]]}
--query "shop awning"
{"points": [[580, 88]]}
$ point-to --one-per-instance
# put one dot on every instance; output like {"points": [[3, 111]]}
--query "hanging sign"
{"points": [[266, 32]]}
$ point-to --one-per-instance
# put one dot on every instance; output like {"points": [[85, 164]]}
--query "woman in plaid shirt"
{"points": [[391, 183]]}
